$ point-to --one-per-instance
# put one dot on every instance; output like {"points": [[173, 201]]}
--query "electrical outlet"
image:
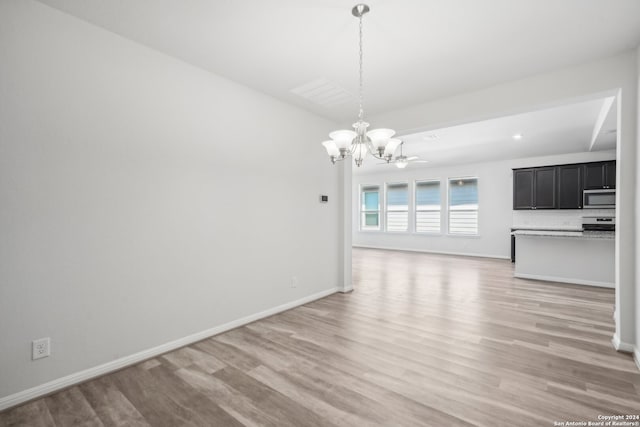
{"points": [[294, 282], [41, 348]]}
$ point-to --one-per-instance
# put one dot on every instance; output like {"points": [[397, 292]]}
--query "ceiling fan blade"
{"points": [[420, 161], [412, 158]]}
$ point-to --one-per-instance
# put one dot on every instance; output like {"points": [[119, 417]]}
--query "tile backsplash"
{"points": [[556, 219]]}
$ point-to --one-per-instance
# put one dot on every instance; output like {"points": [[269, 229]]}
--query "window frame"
{"points": [[477, 210], [386, 206], [416, 210], [364, 211]]}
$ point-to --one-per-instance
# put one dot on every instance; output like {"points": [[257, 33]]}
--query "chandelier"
{"points": [[358, 142]]}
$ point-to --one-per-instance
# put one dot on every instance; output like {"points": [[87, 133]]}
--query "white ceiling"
{"points": [[415, 50], [559, 130]]}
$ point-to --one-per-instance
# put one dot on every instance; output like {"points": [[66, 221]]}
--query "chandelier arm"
{"points": [[372, 150], [377, 156], [383, 157], [353, 148]]}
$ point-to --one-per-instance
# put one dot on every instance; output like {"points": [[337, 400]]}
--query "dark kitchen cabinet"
{"points": [[600, 175], [569, 186], [610, 174], [544, 186], [534, 188], [523, 189], [560, 186]]}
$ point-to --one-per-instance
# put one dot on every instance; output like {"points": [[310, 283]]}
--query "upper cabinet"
{"points": [[560, 187], [534, 188], [544, 181], [523, 189], [600, 175], [570, 186]]}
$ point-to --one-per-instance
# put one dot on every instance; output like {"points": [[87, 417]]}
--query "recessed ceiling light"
{"points": [[517, 136]]}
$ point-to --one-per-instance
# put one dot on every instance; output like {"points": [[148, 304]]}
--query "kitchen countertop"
{"points": [[528, 227], [566, 233]]}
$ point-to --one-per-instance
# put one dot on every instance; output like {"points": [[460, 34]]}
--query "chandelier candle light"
{"points": [[356, 143]]}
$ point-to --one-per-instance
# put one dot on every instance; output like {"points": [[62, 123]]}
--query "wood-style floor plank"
{"points": [[111, 406], [33, 414], [137, 385], [69, 408], [205, 411], [424, 340]]}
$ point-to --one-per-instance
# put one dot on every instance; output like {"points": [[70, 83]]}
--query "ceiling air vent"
{"points": [[323, 92]]}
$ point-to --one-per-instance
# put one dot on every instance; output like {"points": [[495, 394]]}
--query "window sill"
{"points": [[467, 236]]}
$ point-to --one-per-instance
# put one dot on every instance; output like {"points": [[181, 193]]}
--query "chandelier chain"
{"points": [[361, 113]]}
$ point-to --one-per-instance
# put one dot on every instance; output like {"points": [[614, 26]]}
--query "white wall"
{"points": [[614, 75], [495, 216], [143, 199]]}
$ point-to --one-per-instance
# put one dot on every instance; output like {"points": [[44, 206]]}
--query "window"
{"points": [[463, 205], [428, 206], [370, 208], [398, 207]]}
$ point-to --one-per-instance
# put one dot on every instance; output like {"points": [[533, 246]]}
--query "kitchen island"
{"points": [[584, 258]]}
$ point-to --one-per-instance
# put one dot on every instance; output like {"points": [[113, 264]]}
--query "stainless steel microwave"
{"points": [[599, 199]]}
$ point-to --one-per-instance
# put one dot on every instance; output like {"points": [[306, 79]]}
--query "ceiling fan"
{"points": [[402, 161]]}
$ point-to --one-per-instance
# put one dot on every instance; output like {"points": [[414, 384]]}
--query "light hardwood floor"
{"points": [[424, 339]]}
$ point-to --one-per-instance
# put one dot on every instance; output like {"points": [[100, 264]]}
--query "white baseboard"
{"points": [[346, 289], [78, 377], [564, 280], [622, 346], [636, 356], [426, 251]]}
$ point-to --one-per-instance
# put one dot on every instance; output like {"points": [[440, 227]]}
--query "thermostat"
{"points": [[323, 198]]}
